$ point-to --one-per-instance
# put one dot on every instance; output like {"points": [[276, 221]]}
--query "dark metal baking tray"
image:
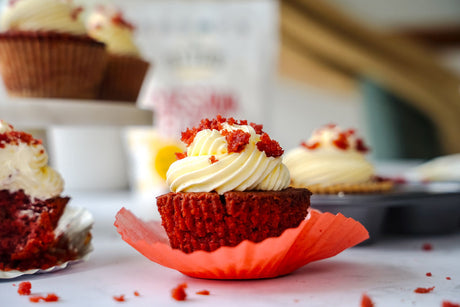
{"points": [[417, 208]]}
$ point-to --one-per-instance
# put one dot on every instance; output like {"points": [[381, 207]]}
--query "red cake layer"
{"points": [[206, 221], [27, 237]]}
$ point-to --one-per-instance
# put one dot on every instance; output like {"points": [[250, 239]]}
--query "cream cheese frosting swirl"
{"points": [[24, 165], [107, 25], [330, 156], [210, 166], [42, 15]]}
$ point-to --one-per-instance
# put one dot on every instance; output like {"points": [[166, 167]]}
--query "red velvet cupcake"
{"points": [[30, 205], [228, 187]]}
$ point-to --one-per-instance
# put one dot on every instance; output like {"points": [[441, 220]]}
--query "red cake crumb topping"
{"points": [[258, 128], [178, 293], [427, 247], [75, 12], [361, 147], [213, 159], [236, 140], [424, 290], [136, 293], [51, 297], [310, 146], [366, 301], [448, 278], [16, 137], [119, 20], [269, 146], [119, 298], [180, 155], [203, 292], [429, 274], [24, 288], [341, 142], [449, 304]]}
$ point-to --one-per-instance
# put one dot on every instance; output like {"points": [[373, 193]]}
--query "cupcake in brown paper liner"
{"points": [[45, 52], [34, 235], [126, 69], [333, 161], [229, 186]]}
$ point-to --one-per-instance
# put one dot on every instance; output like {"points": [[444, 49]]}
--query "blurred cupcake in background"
{"points": [[45, 51], [333, 160], [126, 69]]}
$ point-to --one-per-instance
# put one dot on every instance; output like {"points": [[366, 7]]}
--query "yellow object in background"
{"points": [[150, 155], [165, 156]]}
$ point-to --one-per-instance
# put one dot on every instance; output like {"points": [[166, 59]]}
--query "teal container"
{"points": [[397, 130]]}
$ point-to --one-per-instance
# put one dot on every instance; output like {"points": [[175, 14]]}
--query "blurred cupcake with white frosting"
{"points": [[333, 161], [126, 68], [46, 52]]}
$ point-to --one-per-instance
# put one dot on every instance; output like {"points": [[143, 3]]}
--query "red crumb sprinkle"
{"points": [[120, 298], [180, 155], [75, 12], [269, 146], [427, 247], [424, 290], [119, 20], [366, 301], [258, 128], [429, 274], [215, 124], [310, 146], [449, 304], [448, 278], [341, 141], [178, 293], [236, 140], [24, 288], [361, 147], [16, 137], [51, 297], [203, 292], [213, 159], [136, 293]]}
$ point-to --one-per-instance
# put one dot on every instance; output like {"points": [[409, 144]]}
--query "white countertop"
{"points": [[388, 271]]}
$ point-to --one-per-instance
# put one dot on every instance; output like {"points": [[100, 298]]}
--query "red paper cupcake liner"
{"points": [[320, 236]]}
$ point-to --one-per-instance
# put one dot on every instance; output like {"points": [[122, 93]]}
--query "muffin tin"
{"points": [[417, 208]]}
